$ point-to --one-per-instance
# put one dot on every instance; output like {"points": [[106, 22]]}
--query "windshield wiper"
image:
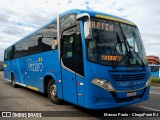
{"points": [[142, 62], [131, 51], [119, 41]]}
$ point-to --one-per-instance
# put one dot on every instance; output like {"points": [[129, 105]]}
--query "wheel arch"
{"points": [[46, 80]]}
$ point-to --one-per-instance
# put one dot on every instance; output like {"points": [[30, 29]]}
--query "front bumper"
{"points": [[103, 99]]}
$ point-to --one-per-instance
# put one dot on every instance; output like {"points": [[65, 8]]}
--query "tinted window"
{"points": [[67, 21], [34, 43], [38, 42], [105, 46], [7, 55], [68, 48], [79, 53], [48, 35], [24, 48], [72, 54], [114, 44]]}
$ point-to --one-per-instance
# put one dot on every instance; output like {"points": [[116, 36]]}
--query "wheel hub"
{"points": [[53, 91]]}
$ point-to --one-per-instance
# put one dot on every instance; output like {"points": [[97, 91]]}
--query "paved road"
{"points": [[23, 99]]}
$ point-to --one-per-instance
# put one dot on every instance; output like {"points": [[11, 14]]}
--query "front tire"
{"points": [[52, 92], [13, 81]]}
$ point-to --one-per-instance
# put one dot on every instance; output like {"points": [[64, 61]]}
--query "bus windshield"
{"points": [[115, 43]]}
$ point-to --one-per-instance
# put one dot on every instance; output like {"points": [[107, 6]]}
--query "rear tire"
{"points": [[13, 81], [52, 92]]}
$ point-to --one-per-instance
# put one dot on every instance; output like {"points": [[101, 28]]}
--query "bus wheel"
{"points": [[52, 92], [13, 82]]}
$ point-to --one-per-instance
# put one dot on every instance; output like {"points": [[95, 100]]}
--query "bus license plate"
{"points": [[131, 94]]}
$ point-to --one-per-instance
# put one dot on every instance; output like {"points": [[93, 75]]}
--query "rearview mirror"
{"points": [[87, 25]]}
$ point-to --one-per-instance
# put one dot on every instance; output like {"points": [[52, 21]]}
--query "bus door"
{"points": [[69, 56]]}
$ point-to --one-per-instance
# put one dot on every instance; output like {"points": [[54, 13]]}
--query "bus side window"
{"points": [[67, 21], [7, 55], [13, 52], [49, 33]]}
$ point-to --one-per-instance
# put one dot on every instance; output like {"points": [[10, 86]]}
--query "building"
{"points": [[153, 59]]}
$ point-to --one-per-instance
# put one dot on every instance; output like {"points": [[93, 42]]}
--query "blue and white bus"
{"points": [[91, 59], [155, 71]]}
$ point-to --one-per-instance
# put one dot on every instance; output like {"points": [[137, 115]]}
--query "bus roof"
{"points": [[106, 16], [78, 11]]}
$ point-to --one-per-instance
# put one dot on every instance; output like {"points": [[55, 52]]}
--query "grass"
{"points": [[155, 80]]}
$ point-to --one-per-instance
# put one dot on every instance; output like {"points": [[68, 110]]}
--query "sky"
{"points": [[21, 17]]}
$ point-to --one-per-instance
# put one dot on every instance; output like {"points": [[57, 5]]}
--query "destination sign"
{"points": [[111, 58], [102, 25]]}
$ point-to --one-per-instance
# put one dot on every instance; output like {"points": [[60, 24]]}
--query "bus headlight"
{"points": [[148, 82], [103, 83]]}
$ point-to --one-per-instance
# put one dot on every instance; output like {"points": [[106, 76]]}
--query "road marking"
{"points": [[149, 108], [155, 93], [7, 79]]}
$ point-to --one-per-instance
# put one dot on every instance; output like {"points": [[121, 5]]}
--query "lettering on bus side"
{"points": [[34, 66]]}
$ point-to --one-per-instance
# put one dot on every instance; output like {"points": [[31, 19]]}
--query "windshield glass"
{"points": [[114, 42]]}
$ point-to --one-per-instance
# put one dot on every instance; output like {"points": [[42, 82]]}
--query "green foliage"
{"points": [[155, 80]]}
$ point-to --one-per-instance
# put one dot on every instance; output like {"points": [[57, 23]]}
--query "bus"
{"points": [[155, 71], [91, 59]]}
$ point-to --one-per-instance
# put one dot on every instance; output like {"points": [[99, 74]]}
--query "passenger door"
{"points": [[68, 65]]}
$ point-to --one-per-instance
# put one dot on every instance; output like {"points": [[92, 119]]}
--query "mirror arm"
{"points": [[87, 25], [82, 15]]}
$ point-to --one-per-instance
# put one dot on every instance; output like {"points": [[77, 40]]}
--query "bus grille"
{"points": [[128, 77]]}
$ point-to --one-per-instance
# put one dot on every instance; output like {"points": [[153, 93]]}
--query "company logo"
{"points": [[35, 66], [21, 114], [131, 84], [6, 114]]}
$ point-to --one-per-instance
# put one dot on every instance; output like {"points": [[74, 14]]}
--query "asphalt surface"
{"points": [[23, 99]]}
